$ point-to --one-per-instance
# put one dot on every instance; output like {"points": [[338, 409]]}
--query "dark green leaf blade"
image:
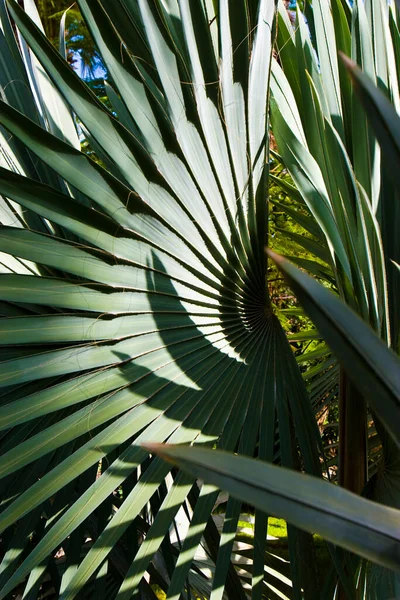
{"points": [[357, 524], [381, 115], [372, 366]]}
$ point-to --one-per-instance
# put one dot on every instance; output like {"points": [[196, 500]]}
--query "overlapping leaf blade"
{"points": [[315, 505]]}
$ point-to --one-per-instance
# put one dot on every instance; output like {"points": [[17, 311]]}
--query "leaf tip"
{"points": [[350, 65], [159, 449], [152, 447], [277, 258]]}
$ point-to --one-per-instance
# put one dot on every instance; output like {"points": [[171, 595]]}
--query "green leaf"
{"points": [[371, 365], [327, 54], [354, 523], [134, 299], [381, 115]]}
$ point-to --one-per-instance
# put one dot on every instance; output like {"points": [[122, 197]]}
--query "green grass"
{"points": [[277, 527]]}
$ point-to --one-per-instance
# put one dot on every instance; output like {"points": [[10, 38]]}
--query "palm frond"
{"points": [[148, 318]]}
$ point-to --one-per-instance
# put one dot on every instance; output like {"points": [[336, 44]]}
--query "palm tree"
{"points": [[65, 28], [137, 312]]}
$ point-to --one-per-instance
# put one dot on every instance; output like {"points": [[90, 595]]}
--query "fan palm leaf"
{"points": [[138, 300]]}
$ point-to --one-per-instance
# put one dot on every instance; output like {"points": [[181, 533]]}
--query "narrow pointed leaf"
{"points": [[373, 367]]}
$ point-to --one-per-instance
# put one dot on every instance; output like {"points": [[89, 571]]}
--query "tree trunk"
{"points": [[352, 437], [352, 442]]}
